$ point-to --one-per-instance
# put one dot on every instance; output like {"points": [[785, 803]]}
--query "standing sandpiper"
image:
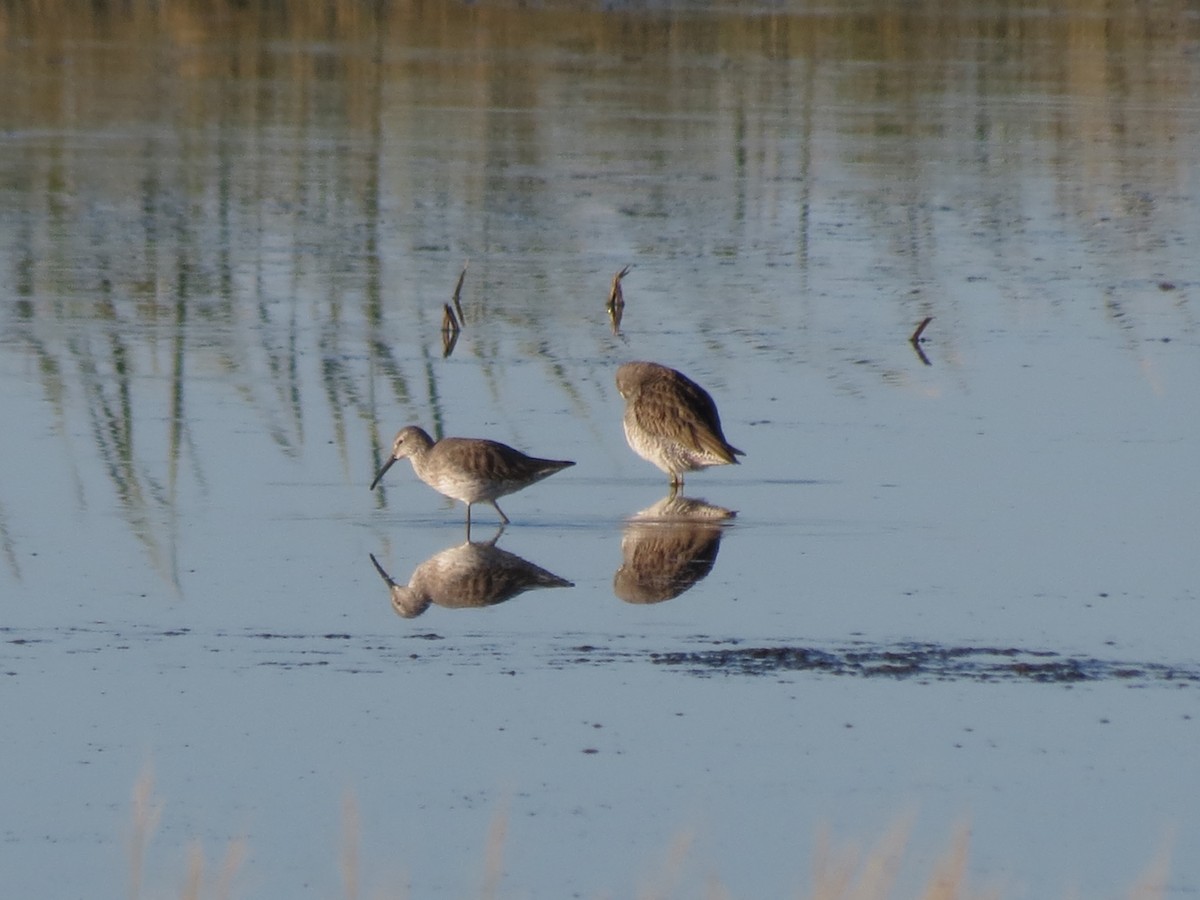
{"points": [[472, 470], [671, 421]]}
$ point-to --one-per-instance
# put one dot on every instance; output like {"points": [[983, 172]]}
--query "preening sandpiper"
{"points": [[671, 421]]}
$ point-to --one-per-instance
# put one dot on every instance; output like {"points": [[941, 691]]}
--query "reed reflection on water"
{"points": [[229, 233], [278, 200]]}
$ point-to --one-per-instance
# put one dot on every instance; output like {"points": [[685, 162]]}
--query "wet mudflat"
{"points": [[960, 582]]}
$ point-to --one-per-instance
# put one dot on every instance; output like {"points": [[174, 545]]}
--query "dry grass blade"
{"points": [[616, 297], [834, 869], [669, 876], [883, 863], [193, 888], [950, 874], [234, 857], [493, 866], [195, 872], [147, 811], [838, 873], [616, 301], [349, 859], [1152, 885]]}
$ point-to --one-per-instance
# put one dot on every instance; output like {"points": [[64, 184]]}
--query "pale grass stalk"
{"points": [[193, 887], [350, 836], [235, 854], [1152, 885], [669, 876], [195, 872], [715, 890], [883, 863], [147, 811], [493, 865], [949, 878], [833, 869]]}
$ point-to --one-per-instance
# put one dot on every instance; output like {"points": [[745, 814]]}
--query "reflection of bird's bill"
{"points": [[383, 471]]}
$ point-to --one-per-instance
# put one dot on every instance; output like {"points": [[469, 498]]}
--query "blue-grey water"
{"points": [[962, 584]]}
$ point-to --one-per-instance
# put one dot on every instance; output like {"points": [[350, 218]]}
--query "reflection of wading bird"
{"points": [[472, 470], [671, 421], [668, 548], [469, 575]]}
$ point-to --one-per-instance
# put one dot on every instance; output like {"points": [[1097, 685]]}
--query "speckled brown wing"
{"points": [[501, 466], [673, 407]]}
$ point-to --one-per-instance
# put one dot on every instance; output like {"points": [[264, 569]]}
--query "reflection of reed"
{"points": [[472, 574], [668, 548], [7, 543], [255, 195]]}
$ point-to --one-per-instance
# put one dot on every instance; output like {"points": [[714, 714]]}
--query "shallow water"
{"points": [[960, 583]]}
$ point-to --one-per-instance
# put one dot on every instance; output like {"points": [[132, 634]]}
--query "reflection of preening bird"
{"points": [[469, 575], [671, 421], [668, 548], [677, 508], [472, 470]]}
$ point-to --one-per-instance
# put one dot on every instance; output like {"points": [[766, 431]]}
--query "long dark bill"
{"points": [[387, 465]]}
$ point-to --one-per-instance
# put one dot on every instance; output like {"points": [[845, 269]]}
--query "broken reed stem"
{"points": [[616, 297], [916, 335], [350, 822], [195, 872], [845, 873], [616, 301], [493, 865], [146, 813]]}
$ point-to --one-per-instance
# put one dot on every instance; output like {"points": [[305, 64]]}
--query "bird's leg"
{"points": [[496, 506]]}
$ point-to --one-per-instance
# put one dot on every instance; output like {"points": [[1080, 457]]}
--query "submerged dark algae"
{"points": [[929, 662]]}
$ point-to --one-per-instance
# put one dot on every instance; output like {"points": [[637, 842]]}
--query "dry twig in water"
{"points": [[915, 340], [450, 330], [616, 301], [916, 335]]}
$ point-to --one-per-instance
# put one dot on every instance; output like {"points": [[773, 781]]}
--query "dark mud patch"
{"points": [[926, 662], [703, 656]]}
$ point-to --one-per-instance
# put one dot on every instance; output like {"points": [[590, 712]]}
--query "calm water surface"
{"points": [[962, 583]]}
